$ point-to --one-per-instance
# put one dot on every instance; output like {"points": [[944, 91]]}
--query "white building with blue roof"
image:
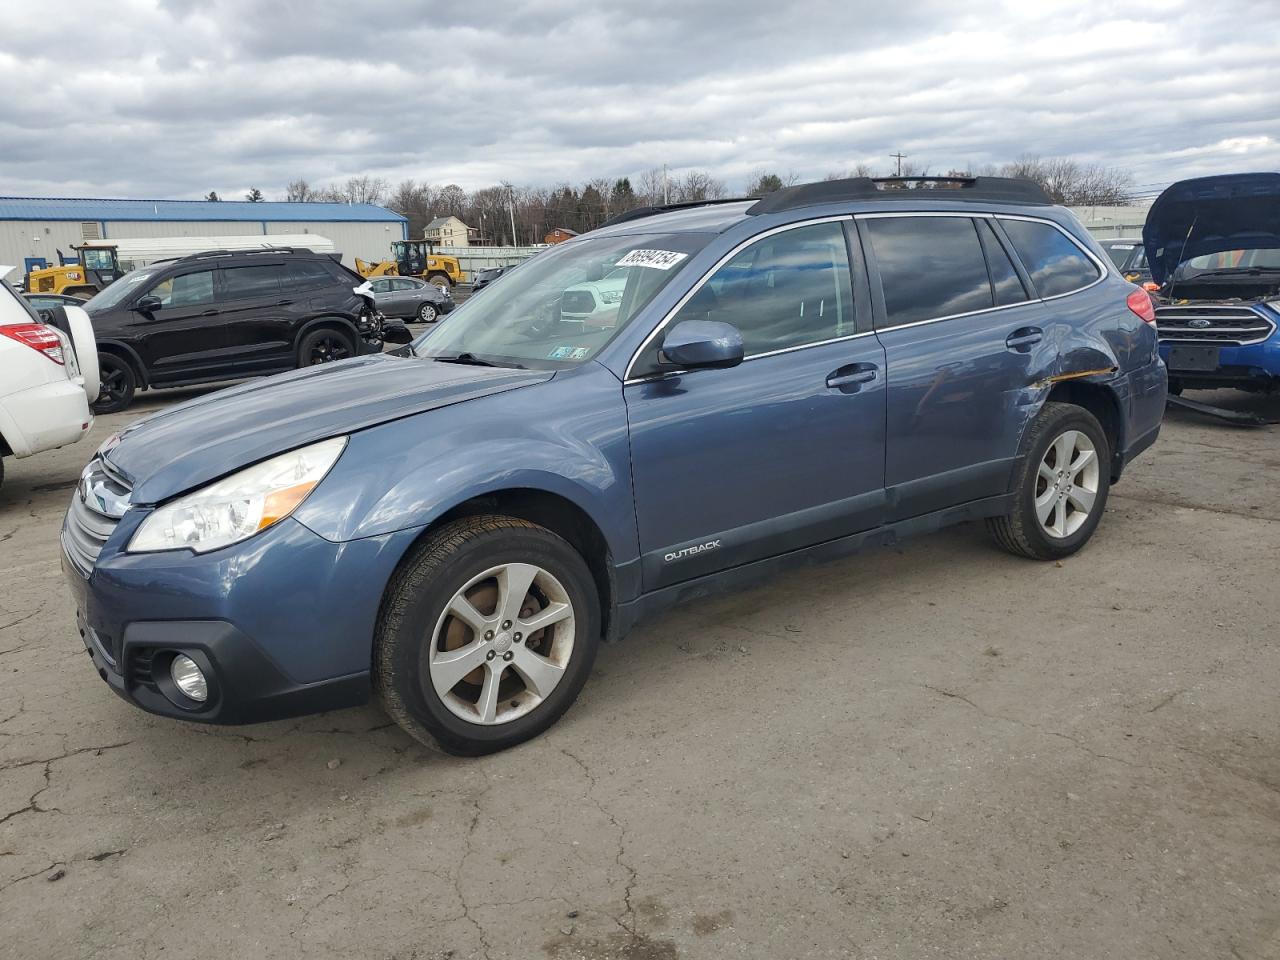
{"points": [[34, 229]]}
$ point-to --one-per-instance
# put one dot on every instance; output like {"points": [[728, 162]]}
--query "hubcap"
{"points": [[1067, 484], [502, 644]]}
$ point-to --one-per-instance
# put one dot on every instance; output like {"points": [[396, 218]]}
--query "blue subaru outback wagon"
{"points": [[457, 527]]}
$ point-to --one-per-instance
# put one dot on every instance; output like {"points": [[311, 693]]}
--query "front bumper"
{"points": [[281, 624], [1255, 365]]}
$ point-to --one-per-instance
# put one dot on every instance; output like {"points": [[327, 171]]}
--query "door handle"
{"points": [[209, 313], [1024, 338], [852, 376]]}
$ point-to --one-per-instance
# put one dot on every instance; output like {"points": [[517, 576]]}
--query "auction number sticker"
{"points": [[657, 259]]}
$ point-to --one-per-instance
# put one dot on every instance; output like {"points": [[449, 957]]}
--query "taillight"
{"points": [[1140, 303], [37, 336]]}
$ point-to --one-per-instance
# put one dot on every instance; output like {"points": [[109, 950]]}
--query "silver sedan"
{"points": [[410, 298]]}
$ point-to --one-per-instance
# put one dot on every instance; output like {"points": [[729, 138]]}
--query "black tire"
{"points": [[324, 346], [1020, 531], [427, 312], [1175, 388], [415, 600], [119, 383], [440, 280]]}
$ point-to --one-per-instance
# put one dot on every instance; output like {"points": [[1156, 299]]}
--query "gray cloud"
{"points": [[177, 97]]}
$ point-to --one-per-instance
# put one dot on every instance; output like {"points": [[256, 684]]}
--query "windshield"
{"points": [[128, 284], [542, 317], [1264, 258], [1119, 252]]}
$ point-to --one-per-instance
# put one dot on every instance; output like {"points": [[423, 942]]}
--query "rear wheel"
{"points": [[427, 313], [1061, 486], [486, 635], [117, 383], [324, 346]]}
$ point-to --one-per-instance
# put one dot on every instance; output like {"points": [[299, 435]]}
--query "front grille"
{"points": [[577, 301], [1212, 323], [100, 500]]}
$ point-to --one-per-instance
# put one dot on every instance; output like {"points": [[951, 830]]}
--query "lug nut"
{"points": [[488, 634], [518, 637], [490, 655], [506, 624], [508, 655]]}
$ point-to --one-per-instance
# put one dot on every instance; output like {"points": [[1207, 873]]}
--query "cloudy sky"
{"points": [[173, 98]]}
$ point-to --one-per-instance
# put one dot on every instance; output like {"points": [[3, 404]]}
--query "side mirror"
{"points": [[396, 333], [148, 304], [699, 344]]}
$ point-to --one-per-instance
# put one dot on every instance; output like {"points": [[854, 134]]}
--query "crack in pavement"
{"points": [[632, 875], [33, 805], [1026, 723]]}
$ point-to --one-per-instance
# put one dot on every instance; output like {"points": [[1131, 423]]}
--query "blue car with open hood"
{"points": [[456, 527], [1213, 245]]}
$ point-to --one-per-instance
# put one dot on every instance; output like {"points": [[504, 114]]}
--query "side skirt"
{"points": [[630, 614]]}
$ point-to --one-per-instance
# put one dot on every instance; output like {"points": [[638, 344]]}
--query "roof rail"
{"points": [[641, 212], [209, 254], [963, 189]]}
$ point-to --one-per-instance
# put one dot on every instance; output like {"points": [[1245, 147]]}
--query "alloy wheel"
{"points": [[113, 384], [329, 348], [502, 644], [1067, 484], [427, 312]]}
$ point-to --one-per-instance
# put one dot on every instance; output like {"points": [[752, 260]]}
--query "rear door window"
{"points": [[1055, 263], [1005, 283], [242, 283], [306, 273], [930, 267]]}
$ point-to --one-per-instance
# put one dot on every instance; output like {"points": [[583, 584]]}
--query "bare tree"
{"points": [[299, 191], [1071, 182], [697, 185]]}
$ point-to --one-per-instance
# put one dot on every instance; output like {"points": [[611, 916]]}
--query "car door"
{"points": [[255, 308], [174, 338], [960, 331], [782, 451]]}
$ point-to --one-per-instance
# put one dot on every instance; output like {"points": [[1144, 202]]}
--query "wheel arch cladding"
{"points": [[129, 355], [1101, 400], [557, 513], [328, 322]]}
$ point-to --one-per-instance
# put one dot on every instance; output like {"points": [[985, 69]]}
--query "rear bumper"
{"points": [[44, 417]]}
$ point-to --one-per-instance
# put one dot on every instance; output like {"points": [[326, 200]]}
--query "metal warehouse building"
{"points": [[35, 228]]}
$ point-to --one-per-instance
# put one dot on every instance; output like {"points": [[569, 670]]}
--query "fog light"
{"points": [[188, 678]]}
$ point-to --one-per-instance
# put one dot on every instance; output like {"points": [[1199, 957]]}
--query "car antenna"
{"points": [[1173, 280]]}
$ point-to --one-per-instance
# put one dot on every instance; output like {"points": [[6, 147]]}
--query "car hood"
{"points": [[193, 443], [1194, 218]]}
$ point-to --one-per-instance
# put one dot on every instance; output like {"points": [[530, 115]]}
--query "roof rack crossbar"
{"points": [[964, 189], [251, 251]]}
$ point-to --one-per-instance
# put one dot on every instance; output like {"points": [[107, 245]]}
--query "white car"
{"points": [[595, 303], [48, 377]]}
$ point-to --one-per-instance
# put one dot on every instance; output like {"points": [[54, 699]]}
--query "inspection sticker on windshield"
{"points": [[657, 259]]}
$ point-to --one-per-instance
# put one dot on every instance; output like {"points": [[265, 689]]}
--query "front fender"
{"points": [[566, 436]]}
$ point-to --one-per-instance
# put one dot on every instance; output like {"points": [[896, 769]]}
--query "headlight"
{"points": [[237, 507], [611, 296]]}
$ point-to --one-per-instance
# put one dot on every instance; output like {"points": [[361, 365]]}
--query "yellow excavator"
{"points": [[94, 268], [414, 258]]}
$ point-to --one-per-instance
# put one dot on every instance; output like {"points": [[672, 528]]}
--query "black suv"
{"points": [[225, 315]]}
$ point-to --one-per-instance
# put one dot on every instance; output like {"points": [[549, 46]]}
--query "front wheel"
{"points": [[1061, 486], [440, 280], [117, 384], [486, 635], [427, 313]]}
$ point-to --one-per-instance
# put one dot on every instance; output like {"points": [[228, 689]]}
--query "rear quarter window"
{"points": [[1056, 264]]}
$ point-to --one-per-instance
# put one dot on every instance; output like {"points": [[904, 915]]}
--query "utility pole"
{"points": [[666, 192], [511, 209], [899, 157]]}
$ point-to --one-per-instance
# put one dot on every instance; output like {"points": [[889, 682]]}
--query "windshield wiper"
{"points": [[1232, 272], [472, 360]]}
